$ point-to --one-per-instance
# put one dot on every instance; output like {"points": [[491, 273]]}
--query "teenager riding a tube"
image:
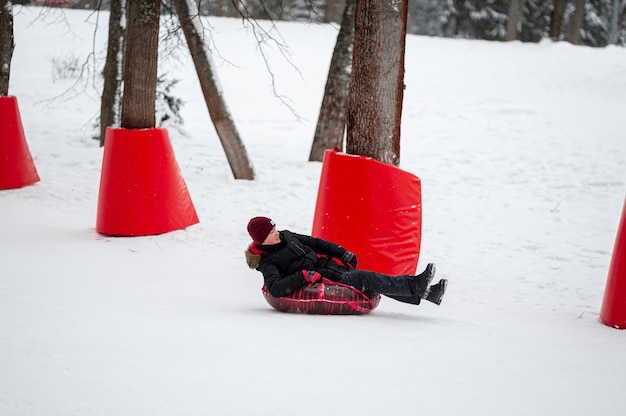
{"points": [[289, 261]]}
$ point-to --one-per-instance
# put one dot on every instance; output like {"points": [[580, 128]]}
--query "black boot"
{"points": [[436, 292], [419, 284]]}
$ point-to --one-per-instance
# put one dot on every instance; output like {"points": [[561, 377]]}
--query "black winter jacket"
{"points": [[282, 264]]}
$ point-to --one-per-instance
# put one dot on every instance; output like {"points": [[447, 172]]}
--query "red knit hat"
{"points": [[259, 228]]}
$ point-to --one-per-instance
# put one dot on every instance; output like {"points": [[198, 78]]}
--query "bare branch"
{"points": [[264, 36]]}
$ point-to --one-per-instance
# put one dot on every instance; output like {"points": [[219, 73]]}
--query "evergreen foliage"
{"points": [[471, 19]]}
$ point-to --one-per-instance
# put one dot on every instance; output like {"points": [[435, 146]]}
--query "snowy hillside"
{"points": [[522, 157]]}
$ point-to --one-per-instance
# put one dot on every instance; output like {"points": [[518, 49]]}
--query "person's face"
{"points": [[272, 238]]}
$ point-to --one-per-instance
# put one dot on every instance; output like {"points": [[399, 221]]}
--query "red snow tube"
{"points": [[325, 298]]}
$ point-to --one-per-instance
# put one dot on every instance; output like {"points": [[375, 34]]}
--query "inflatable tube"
{"points": [[326, 298]]}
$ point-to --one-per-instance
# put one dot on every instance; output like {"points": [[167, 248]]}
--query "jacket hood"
{"points": [[253, 258]]}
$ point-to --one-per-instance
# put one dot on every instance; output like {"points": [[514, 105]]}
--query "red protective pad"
{"points": [[613, 311], [372, 209], [17, 168], [325, 298], [142, 191]]}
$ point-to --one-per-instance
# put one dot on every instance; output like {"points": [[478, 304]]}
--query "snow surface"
{"points": [[521, 153]]}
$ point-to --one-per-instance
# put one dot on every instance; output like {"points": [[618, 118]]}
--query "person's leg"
{"points": [[419, 285], [371, 282], [405, 288], [436, 292]]}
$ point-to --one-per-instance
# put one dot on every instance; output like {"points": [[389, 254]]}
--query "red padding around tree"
{"points": [[613, 311], [17, 168], [372, 209], [142, 191]]}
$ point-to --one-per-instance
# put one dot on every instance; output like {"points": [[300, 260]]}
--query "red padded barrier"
{"points": [[142, 191], [17, 168], [372, 209], [613, 311]]}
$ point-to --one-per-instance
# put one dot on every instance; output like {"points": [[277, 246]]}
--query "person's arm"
{"points": [[321, 246], [278, 285], [330, 249]]}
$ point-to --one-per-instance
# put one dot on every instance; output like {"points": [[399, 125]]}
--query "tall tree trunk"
{"points": [[516, 11], [577, 22], [377, 86], [109, 105], [614, 26], [140, 64], [6, 45], [556, 19], [331, 122], [224, 125], [333, 10], [412, 20]]}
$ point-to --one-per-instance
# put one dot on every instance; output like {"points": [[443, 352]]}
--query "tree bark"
{"points": [[224, 125], [377, 86], [577, 22], [333, 10], [331, 122], [110, 103], [516, 12], [6, 45], [140, 64], [556, 19], [614, 25]]}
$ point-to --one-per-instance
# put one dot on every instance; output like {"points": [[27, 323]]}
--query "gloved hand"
{"points": [[349, 259], [311, 276]]}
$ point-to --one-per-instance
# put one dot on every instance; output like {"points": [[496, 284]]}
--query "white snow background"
{"points": [[522, 157]]}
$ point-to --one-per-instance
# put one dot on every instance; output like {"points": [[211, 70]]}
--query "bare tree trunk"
{"points": [[377, 86], [412, 24], [614, 27], [515, 18], [6, 45], [577, 22], [222, 120], [333, 10], [331, 122], [140, 64], [109, 105], [556, 19]]}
